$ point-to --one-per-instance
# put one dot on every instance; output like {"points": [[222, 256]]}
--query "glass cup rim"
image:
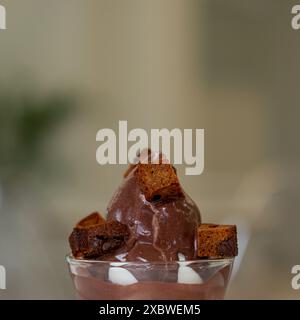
{"points": [[74, 261]]}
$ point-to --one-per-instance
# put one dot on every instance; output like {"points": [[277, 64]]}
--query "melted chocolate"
{"points": [[159, 231]]}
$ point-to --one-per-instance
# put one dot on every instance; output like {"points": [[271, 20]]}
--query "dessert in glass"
{"points": [[153, 244]]}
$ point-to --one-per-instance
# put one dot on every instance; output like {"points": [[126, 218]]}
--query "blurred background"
{"points": [[71, 67]]}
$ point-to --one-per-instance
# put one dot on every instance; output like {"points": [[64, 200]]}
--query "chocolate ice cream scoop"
{"points": [[161, 217]]}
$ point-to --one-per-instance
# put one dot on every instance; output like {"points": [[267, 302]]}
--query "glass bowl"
{"points": [[177, 280]]}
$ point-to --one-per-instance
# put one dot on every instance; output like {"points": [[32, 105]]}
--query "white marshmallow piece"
{"points": [[181, 257], [121, 276], [188, 275], [181, 260], [117, 264]]}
